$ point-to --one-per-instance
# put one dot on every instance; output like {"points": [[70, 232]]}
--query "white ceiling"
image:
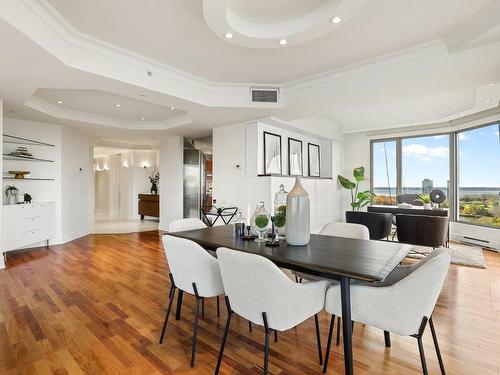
{"points": [[175, 33], [371, 72], [105, 104]]}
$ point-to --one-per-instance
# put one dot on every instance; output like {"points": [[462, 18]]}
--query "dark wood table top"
{"points": [[414, 210], [326, 256]]}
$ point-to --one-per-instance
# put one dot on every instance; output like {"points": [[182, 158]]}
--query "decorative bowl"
{"points": [[19, 174]]}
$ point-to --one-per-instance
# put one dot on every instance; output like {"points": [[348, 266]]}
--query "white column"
{"points": [[171, 179], [2, 265]]}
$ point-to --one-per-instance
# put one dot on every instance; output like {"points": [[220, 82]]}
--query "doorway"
{"points": [[122, 179]]}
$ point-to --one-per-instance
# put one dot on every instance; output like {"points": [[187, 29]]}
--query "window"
{"points": [[416, 165], [384, 172], [478, 153], [425, 164]]}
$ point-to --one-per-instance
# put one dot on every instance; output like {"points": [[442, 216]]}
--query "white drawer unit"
{"points": [[27, 224]]}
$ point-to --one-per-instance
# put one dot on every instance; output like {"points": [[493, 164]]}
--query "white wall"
{"points": [[134, 179], [70, 188], [171, 180], [76, 184], [236, 164], [2, 265], [107, 185]]}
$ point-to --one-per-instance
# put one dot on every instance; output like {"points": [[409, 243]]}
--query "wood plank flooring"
{"points": [[96, 306]]}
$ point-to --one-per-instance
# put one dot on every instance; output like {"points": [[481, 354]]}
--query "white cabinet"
{"points": [[27, 224]]}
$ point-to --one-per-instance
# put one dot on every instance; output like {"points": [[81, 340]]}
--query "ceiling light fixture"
{"points": [[487, 100], [172, 108], [118, 105], [336, 20], [283, 42], [491, 84], [60, 102], [142, 118], [228, 35]]}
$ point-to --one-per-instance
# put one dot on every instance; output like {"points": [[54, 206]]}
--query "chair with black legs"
{"points": [[257, 290], [192, 270], [402, 304]]}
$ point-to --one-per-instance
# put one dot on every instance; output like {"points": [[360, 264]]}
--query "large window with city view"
{"points": [[425, 166], [478, 152]]}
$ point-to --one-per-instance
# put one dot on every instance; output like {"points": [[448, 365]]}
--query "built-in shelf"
{"points": [[24, 141], [24, 158], [27, 178]]}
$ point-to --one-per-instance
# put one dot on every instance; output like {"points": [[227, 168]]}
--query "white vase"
{"points": [[297, 216]]}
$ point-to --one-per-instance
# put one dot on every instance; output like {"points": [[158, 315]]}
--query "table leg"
{"points": [[345, 295]]}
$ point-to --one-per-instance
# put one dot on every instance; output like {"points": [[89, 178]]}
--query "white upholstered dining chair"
{"points": [[257, 290], [403, 303], [181, 225], [337, 229], [194, 271]]}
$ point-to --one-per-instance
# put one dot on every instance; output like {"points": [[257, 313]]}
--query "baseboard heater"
{"points": [[490, 245]]}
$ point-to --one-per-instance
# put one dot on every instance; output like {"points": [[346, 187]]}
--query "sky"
{"points": [[428, 157]]}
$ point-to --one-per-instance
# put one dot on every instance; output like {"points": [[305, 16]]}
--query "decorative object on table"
{"points": [[272, 153], [359, 199], [297, 216], [11, 193], [21, 152], [260, 222], [426, 200], [19, 174], [248, 236], [294, 157], [239, 225], [27, 198], [274, 241], [437, 196], [154, 182], [280, 212], [313, 160]]}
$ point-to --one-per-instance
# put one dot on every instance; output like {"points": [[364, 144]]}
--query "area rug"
{"points": [[461, 254]]}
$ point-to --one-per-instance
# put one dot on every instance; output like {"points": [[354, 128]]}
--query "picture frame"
{"points": [[313, 160], [295, 157], [272, 154]]}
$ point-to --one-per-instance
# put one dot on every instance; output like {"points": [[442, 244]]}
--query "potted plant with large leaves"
{"points": [[359, 199]]}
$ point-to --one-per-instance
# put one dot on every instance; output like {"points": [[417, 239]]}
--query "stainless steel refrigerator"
{"points": [[194, 182]]}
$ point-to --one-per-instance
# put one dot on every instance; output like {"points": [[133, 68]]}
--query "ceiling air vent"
{"points": [[264, 95]]}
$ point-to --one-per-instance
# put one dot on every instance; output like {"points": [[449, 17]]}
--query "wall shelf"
{"points": [[24, 141], [13, 157], [27, 179]]}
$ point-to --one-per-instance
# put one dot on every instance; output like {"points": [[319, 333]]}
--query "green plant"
{"points": [[424, 198], [280, 217], [359, 199], [11, 189], [261, 221]]}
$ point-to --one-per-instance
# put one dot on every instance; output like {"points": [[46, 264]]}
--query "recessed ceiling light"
{"points": [[487, 100], [228, 35], [172, 108], [60, 102], [142, 118], [118, 105], [283, 42], [336, 20], [491, 84]]}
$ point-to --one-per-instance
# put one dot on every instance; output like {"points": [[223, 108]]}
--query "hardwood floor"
{"points": [[96, 306]]}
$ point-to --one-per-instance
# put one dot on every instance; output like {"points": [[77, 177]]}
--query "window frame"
{"points": [[453, 191]]}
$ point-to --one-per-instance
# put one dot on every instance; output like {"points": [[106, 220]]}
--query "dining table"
{"points": [[336, 258]]}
